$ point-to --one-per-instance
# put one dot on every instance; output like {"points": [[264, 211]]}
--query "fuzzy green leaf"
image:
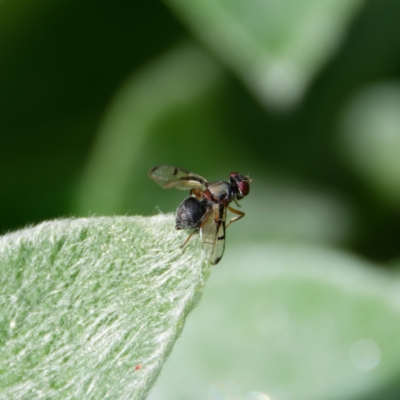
{"points": [[90, 308]]}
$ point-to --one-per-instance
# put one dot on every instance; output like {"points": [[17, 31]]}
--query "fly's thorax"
{"points": [[220, 191]]}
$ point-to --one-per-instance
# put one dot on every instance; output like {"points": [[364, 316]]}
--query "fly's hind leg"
{"points": [[237, 212], [187, 240]]}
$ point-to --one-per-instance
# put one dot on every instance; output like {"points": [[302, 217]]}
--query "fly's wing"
{"points": [[168, 176], [212, 232]]}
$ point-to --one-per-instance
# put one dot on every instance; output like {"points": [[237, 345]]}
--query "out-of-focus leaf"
{"points": [[179, 78], [289, 322], [370, 138], [90, 308], [290, 212], [276, 47]]}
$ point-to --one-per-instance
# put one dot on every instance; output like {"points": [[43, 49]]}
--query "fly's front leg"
{"points": [[236, 202], [237, 212]]}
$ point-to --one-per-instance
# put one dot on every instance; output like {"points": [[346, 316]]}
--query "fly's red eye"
{"points": [[244, 188], [241, 182]]}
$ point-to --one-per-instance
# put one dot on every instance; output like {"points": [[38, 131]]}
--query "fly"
{"points": [[206, 208]]}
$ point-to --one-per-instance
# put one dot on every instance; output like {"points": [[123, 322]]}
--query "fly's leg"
{"points": [[197, 193], [237, 212], [187, 240], [236, 202]]}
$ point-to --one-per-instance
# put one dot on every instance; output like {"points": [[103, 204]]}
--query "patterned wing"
{"points": [[168, 176], [212, 232]]}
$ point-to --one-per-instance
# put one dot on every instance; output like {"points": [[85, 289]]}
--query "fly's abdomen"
{"points": [[189, 213]]}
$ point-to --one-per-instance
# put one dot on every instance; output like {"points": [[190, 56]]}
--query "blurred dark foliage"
{"points": [[57, 75]]}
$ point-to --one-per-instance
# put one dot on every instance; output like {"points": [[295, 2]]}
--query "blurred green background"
{"points": [[304, 96]]}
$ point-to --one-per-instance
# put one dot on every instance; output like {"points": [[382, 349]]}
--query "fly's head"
{"points": [[241, 184]]}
